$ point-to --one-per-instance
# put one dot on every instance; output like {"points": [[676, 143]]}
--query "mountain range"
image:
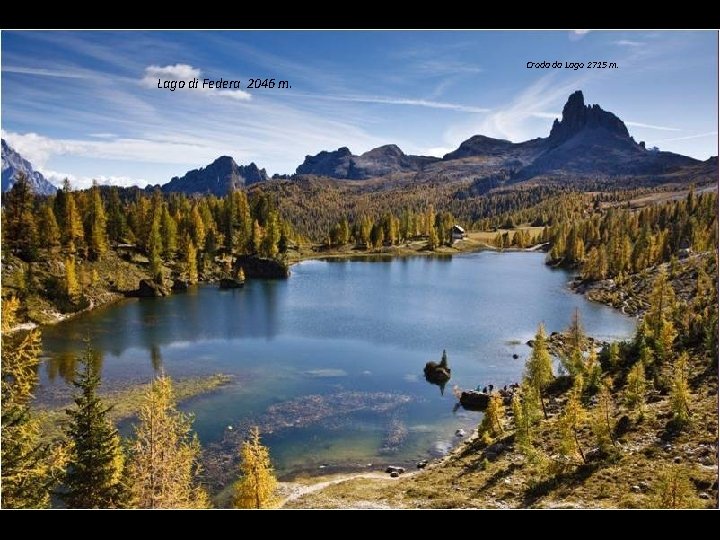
{"points": [[13, 164], [587, 142]]}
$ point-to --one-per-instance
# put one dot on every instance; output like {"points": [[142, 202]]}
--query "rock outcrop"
{"points": [[576, 116], [219, 178], [258, 267], [147, 288], [381, 161]]}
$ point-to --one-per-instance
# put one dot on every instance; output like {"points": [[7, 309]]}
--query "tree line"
{"points": [[87, 223], [619, 241]]}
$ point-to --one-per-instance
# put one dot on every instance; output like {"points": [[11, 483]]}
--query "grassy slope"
{"points": [[475, 476]]}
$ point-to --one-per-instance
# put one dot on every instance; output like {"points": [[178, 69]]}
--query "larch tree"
{"points": [[29, 468], [94, 471], [257, 484], [636, 387], [73, 235], [48, 232], [570, 424], [97, 220], [164, 458], [492, 422], [602, 422], [191, 263], [538, 369], [680, 391]]}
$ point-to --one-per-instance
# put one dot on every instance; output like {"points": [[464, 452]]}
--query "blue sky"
{"points": [[86, 104]]}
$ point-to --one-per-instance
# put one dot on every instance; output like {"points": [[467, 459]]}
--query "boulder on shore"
{"points": [[262, 268], [230, 283], [147, 288], [474, 400]]}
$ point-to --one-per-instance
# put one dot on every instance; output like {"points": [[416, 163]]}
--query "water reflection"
{"points": [[64, 364]]}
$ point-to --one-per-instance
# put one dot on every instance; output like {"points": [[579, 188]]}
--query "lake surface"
{"points": [[330, 362]]}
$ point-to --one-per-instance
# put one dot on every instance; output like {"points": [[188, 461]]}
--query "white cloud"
{"points": [[438, 151], [81, 182], [576, 35], [185, 72], [177, 72]]}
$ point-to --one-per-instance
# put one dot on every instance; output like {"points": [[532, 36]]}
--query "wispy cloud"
{"points": [[629, 43], [383, 100], [43, 72], [548, 115], [509, 121], [688, 137], [651, 126]]}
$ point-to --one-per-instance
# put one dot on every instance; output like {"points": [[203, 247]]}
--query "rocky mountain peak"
{"points": [[577, 116], [14, 164]]}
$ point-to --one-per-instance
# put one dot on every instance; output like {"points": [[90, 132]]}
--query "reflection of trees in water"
{"points": [[156, 358], [63, 364], [152, 323]]}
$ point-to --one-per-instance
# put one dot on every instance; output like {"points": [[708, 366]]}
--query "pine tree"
{"points": [[28, 466], [19, 228], [94, 470], [538, 369], [257, 485], [164, 457], [155, 247], [116, 222]]}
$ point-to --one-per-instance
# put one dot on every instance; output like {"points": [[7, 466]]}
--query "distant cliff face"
{"points": [[13, 163], [219, 178], [380, 161], [577, 117]]}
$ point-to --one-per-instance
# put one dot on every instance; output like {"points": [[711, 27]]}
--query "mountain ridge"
{"points": [[13, 163]]}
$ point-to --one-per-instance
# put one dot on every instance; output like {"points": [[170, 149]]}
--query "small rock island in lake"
{"points": [[438, 374]]}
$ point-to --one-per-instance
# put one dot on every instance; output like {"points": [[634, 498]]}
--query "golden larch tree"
{"points": [[256, 486]]}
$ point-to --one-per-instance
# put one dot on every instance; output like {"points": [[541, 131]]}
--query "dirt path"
{"points": [[300, 490]]}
